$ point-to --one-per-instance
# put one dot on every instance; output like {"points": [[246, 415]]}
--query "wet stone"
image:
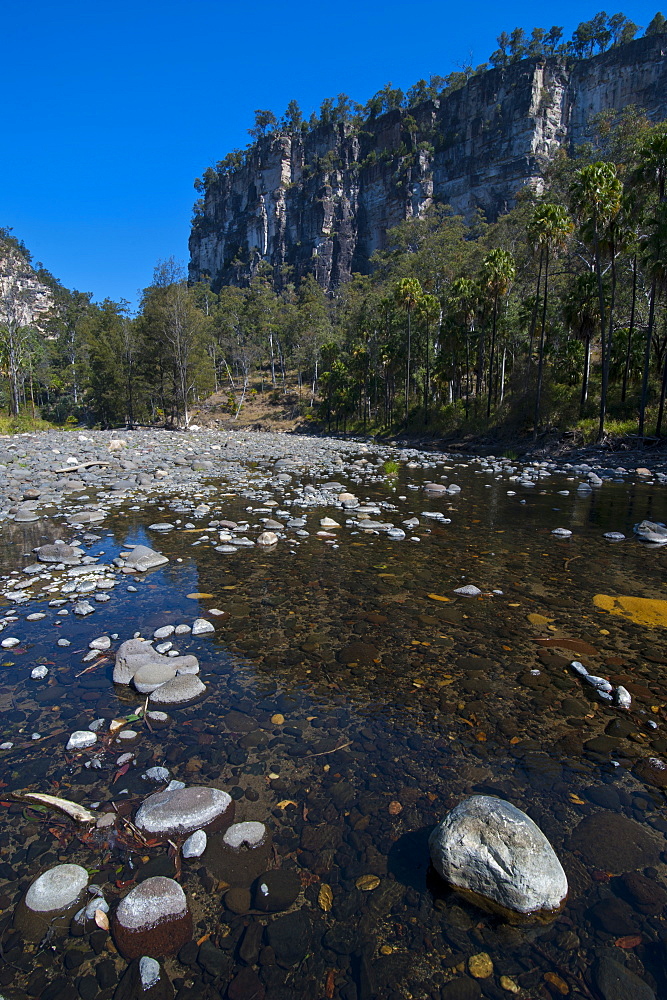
{"points": [[276, 890], [615, 982], [290, 938], [613, 842]]}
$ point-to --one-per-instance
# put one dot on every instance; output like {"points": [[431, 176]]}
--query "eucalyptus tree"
{"points": [[498, 273], [581, 311], [429, 312], [596, 201], [407, 294], [654, 258], [463, 303], [649, 179], [548, 230]]}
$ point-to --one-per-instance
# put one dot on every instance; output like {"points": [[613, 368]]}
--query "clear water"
{"points": [[395, 706]]}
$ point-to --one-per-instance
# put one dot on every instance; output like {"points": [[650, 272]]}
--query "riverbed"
{"points": [[353, 695]]}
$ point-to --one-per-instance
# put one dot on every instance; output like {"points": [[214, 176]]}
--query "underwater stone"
{"points": [[51, 901]]}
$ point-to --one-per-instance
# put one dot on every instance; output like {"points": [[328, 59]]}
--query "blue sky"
{"points": [[111, 110]]}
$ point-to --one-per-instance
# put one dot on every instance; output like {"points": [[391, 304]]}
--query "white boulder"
{"points": [[490, 847]]}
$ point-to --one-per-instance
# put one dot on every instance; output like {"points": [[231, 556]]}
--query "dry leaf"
{"points": [[325, 897], [367, 882], [101, 920], [286, 802], [438, 597], [557, 983], [575, 798], [198, 597], [629, 941]]}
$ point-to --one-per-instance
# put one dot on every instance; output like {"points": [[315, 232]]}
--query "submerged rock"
{"points": [[241, 854], [492, 849], [146, 979], [184, 810], [651, 531], [153, 919], [178, 690], [51, 901]]}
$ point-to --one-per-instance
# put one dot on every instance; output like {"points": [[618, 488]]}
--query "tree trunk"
{"points": [[407, 371], [491, 357], [647, 359], [540, 363], [631, 330], [606, 349], [586, 373]]}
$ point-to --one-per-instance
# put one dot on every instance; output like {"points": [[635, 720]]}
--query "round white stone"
{"points": [[201, 626], [80, 739], [248, 834], [149, 972], [56, 889], [195, 845], [183, 809], [150, 903]]}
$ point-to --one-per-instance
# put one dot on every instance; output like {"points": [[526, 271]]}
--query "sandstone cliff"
{"points": [[25, 301], [322, 202]]}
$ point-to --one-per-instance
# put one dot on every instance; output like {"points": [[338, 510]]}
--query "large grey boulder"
{"points": [[137, 656], [490, 847]]}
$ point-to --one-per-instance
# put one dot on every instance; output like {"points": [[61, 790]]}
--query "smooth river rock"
{"points": [[489, 847]]}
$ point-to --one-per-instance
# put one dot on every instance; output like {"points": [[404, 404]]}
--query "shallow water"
{"points": [[395, 705]]}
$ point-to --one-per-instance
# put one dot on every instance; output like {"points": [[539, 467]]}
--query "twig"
{"points": [[565, 973], [333, 750]]}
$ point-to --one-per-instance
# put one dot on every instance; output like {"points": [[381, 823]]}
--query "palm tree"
{"points": [[428, 310], [596, 201], [548, 229], [407, 294], [581, 311], [463, 303], [498, 273]]}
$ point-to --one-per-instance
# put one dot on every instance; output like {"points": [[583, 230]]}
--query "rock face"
{"points": [[491, 848], [152, 920], [322, 202]]}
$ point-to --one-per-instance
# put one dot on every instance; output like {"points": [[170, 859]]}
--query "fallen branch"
{"points": [[73, 809], [83, 465]]}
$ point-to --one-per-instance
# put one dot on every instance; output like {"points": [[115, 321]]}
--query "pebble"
{"points": [[81, 739]]}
